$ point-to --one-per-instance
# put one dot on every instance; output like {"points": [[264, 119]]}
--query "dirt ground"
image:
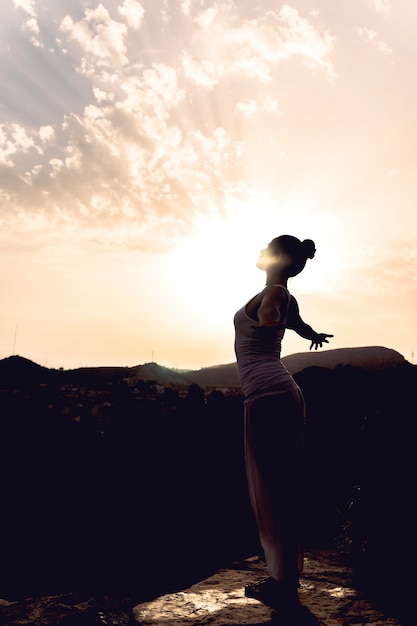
{"points": [[326, 588]]}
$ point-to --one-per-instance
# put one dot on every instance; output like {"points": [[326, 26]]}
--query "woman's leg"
{"points": [[273, 450]]}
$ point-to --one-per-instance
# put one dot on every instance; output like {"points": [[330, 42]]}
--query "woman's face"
{"points": [[273, 255], [267, 258]]}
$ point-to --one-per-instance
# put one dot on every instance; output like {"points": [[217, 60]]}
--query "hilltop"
{"points": [[369, 358], [17, 370]]}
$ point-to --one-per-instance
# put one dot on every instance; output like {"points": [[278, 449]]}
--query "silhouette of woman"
{"points": [[274, 422]]}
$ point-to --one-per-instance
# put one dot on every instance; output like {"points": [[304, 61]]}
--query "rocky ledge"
{"points": [[326, 588]]}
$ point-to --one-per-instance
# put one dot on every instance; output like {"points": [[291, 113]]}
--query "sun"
{"points": [[209, 270], [213, 272]]}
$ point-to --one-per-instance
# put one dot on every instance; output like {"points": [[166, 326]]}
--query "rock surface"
{"points": [[326, 588]]}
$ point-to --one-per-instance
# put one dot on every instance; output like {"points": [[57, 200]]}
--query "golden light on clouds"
{"points": [[148, 150]]}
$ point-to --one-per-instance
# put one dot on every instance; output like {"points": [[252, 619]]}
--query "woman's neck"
{"points": [[276, 277]]}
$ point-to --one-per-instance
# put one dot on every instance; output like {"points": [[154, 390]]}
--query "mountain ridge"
{"points": [[17, 369]]}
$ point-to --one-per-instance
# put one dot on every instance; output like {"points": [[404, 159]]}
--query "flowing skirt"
{"points": [[274, 431]]}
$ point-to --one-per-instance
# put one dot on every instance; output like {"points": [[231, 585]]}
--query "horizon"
{"points": [[150, 150], [203, 367]]}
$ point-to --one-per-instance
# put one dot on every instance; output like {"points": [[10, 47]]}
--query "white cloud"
{"points": [[302, 39], [384, 47], [150, 95], [185, 6], [133, 12], [254, 47], [14, 139], [371, 37], [46, 133], [270, 105], [248, 109], [31, 24], [27, 5], [206, 19], [125, 164], [57, 165], [381, 6], [100, 37], [252, 107], [202, 73], [137, 154]]}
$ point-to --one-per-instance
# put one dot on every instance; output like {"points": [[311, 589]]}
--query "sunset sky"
{"points": [[150, 149]]}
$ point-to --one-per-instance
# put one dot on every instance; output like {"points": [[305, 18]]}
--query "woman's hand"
{"points": [[319, 340]]}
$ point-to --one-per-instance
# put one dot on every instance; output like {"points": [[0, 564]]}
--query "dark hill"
{"points": [[17, 370], [160, 374], [370, 358]]}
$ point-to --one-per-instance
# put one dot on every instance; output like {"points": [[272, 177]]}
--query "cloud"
{"points": [[254, 47], [46, 133], [251, 107], [371, 37], [248, 109], [125, 165], [101, 38], [27, 5], [14, 140], [133, 12], [207, 18], [185, 6], [383, 7], [152, 149], [302, 39], [201, 73], [31, 24]]}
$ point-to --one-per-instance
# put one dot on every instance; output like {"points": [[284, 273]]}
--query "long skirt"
{"points": [[274, 432]]}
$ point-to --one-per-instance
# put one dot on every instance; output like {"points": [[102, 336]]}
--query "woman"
{"points": [[274, 421]]}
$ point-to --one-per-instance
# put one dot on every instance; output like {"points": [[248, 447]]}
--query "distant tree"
{"points": [[195, 397]]}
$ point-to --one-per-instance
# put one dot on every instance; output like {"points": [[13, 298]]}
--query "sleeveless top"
{"points": [[258, 354]]}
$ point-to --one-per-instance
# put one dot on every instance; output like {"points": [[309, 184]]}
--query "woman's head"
{"points": [[290, 251]]}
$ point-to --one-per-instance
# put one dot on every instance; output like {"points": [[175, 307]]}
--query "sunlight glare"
{"points": [[214, 271]]}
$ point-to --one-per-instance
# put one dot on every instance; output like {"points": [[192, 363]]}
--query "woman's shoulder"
{"points": [[277, 291]]}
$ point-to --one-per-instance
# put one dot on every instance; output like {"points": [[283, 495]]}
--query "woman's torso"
{"points": [[258, 351]]}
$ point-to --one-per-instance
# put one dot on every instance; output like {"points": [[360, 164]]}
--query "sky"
{"points": [[150, 149]]}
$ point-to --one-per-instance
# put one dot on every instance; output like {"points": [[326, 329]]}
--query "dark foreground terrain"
{"points": [[120, 486], [326, 588]]}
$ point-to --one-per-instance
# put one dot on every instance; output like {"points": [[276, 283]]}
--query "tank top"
{"points": [[258, 354]]}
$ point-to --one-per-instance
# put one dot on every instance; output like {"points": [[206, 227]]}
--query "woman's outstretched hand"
{"points": [[319, 340]]}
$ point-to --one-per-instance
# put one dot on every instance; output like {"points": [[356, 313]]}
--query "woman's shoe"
{"points": [[275, 594]]}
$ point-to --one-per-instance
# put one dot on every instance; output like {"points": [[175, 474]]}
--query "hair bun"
{"points": [[309, 248]]}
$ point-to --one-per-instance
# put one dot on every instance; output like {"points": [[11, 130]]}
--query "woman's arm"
{"points": [[295, 322], [272, 303]]}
